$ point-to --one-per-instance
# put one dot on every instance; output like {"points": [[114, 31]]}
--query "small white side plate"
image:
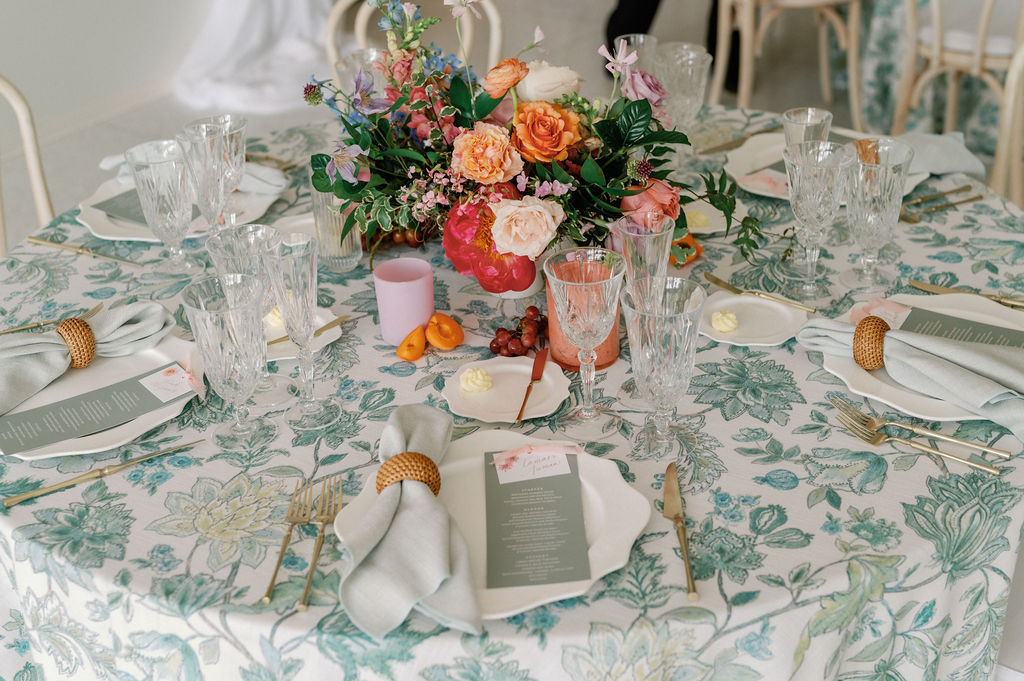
{"points": [[877, 384], [761, 322], [510, 376], [614, 514], [716, 221], [248, 208], [289, 350], [296, 223]]}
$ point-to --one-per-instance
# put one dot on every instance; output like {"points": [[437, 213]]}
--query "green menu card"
{"points": [[945, 326], [535, 527], [94, 411]]}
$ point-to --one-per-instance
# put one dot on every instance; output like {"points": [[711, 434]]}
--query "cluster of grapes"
{"points": [[529, 332], [414, 237]]}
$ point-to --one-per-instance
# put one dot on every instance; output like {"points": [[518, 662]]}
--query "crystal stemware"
{"points": [[584, 285], [683, 70], [806, 124], [645, 239], [204, 146], [662, 331], [251, 249], [224, 312], [877, 179], [161, 182], [644, 44], [817, 173], [234, 156], [294, 275]]}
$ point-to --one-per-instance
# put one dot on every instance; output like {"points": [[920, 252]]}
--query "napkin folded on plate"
{"points": [[941, 154], [407, 553], [987, 380], [257, 179], [29, 360]]}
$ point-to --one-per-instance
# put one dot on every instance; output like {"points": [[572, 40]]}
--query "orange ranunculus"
{"points": [[486, 154], [504, 76], [545, 131], [658, 197]]}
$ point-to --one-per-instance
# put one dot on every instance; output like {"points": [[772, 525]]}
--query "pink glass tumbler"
{"points": [[405, 296]]}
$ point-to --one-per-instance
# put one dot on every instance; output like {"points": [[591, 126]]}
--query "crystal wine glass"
{"points": [[204, 146], [234, 155], [645, 239], [294, 275], [806, 124], [662, 331], [584, 284], [817, 173], [224, 312], [251, 249], [162, 185], [683, 70], [644, 44]]}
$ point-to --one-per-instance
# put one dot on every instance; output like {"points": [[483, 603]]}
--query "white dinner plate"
{"points": [[761, 322], [878, 385], [614, 514], [289, 350], [105, 371], [296, 223], [761, 151], [248, 208], [715, 219], [510, 376]]}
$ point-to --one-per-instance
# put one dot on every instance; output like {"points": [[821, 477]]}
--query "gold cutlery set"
{"points": [[300, 512], [80, 250], [914, 216], [35, 325], [326, 327]]}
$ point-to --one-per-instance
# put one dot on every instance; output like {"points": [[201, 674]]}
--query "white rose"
{"points": [[525, 226], [547, 83]]}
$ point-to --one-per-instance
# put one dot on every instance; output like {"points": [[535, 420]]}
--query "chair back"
{"points": [[985, 30], [30, 146], [366, 12]]}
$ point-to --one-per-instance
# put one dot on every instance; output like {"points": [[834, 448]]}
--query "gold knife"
{"points": [[329, 325], [93, 475], [535, 376], [738, 142], [760, 294], [81, 250], [673, 510], [935, 288]]}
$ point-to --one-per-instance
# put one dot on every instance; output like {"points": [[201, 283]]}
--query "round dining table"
{"points": [[815, 554]]}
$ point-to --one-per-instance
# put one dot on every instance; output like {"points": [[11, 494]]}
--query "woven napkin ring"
{"points": [[409, 466], [868, 342], [81, 343]]}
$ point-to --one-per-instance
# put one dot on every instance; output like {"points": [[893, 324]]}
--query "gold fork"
{"points": [[876, 439], [876, 423], [35, 325], [327, 509], [915, 217], [300, 510]]}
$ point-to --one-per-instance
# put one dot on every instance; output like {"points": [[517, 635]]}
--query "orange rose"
{"points": [[486, 154], [544, 131], [504, 76]]}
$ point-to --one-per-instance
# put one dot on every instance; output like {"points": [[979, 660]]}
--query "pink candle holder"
{"points": [[405, 296]]}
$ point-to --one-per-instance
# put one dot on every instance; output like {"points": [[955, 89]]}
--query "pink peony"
{"points": [[486, 154]]}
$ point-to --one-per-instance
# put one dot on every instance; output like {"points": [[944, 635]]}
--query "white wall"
{"points": [[79, 61]]}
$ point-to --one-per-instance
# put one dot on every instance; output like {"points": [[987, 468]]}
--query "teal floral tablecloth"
{"points": [[816, 555]]}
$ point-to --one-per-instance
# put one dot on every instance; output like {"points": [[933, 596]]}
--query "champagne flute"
{"points": [[294, 275], [584, 284]]}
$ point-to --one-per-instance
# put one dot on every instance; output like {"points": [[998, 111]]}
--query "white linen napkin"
{"points": [[29, 360], [407, 553], [987, 380], [941, 154], [256, 179]]}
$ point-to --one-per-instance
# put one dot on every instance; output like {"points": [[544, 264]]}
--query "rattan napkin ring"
{"points": [[868, 343], [409, 466], [81, 342]]}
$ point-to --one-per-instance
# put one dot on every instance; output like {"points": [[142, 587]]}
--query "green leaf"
{"points": [[816, 496], [743, 597], [609, 133], [874, 650], [832, 497], [789, 538], [319, 161], [692, 614], [664, 137], [592, 173], [772, 580], [407, 153], [460, 95], [485, 104], [282, 472], [560, 174], [634, 121]]}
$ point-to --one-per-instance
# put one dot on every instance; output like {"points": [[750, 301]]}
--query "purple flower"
{"points": [[362, 97], [622, 59], [343, 162]]}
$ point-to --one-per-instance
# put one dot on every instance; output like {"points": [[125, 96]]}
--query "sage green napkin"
{"points": [[941, 154], [29, 360], [987, 380], [406, 553]]}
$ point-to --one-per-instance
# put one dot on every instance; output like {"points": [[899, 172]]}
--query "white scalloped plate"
{"points": [[510, 376]]}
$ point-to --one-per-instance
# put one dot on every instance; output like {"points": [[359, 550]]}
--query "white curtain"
{"points": [[255, 55]]}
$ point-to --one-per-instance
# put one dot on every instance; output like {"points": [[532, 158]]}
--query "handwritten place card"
{"points": [[535, 527], [94, 411]]}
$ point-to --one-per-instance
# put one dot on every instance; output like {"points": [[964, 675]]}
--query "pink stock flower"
{"points": [[459, 7]]}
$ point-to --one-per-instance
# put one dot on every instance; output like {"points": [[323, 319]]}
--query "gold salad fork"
{"points": [[876, 423], [327, 509], [876, 438], [35, 325], [300, 510]]}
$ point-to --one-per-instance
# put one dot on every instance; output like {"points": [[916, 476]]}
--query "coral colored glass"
{"points": [[566, 355]]}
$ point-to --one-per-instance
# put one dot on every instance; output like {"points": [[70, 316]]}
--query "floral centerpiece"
{"points": [[505, 167]]}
